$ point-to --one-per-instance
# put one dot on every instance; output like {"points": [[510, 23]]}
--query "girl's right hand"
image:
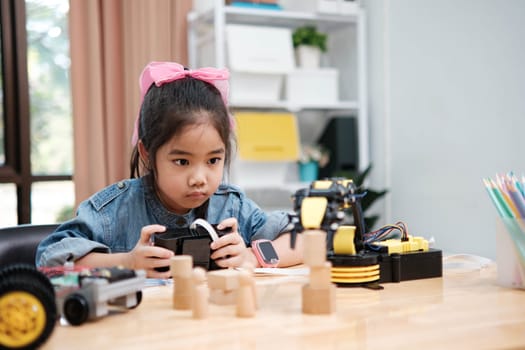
{"points": [[147, 257]]}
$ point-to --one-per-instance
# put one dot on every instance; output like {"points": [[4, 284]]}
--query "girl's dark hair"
{"points": [[167, 109]]}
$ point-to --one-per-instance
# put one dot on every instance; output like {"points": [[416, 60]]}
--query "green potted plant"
{"points": [[309, 44]]}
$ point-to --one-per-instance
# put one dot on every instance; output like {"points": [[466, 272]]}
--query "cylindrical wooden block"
{"points": [[314, 243], [181, 266], [182, 293], [200, 294], [246, 304]]}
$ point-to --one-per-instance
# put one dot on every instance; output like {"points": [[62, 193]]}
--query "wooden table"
{"points": [[462, 310]]}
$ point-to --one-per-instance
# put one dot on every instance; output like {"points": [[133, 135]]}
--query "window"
{"points": [[36, 152]]}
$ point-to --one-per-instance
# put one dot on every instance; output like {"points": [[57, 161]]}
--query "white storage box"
{"points": [[348, 7], [255, 88], [312, 6], [258, 58], [320, 6], [328, 6], [313, 87], [299, 5], [201, 6]]}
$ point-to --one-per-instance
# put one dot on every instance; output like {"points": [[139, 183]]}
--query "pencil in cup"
{"points": [[517, 198], [497, 199], [510, 252]]}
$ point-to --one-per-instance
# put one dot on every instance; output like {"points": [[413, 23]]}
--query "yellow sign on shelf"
{"points": [[267, 136]]}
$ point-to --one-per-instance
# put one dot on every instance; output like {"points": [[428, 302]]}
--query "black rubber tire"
{"points": [[27, 272], [76, 309], [15, 284]]}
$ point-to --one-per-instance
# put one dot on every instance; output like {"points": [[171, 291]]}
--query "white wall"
{"points": [[447, 108]]}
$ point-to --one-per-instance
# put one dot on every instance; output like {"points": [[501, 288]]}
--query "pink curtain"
{"points": [[111, 41]]}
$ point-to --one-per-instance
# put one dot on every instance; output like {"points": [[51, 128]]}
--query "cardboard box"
{"points": [[258, 58], [313, 86]]}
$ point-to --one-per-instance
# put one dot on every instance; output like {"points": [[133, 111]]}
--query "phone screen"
{"points": [[268, 252]]}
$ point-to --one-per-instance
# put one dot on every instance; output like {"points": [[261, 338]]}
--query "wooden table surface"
{"points": [[462, 310]]}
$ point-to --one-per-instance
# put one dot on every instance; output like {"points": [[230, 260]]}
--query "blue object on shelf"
{"points": [[256, 5], [308, 172]]}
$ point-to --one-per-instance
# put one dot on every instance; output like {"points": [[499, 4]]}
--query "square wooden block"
{"points": [[318, 301]]}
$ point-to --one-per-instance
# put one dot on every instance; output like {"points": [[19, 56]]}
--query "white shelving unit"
{"points": [[346, 52]]}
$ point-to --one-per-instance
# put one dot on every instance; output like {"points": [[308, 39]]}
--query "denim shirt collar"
{"points": [[160, 213]]}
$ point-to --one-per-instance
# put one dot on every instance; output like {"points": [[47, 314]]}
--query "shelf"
{"points": [[342, 105], [207, 46], [290, 19]]}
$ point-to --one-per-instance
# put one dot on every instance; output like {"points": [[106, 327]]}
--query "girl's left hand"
{"points": [[229, 250]]}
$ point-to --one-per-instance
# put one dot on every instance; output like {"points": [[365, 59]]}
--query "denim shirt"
{"points": [[110, 221]]}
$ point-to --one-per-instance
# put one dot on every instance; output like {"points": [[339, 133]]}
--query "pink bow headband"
{"points": [[165, 72]]}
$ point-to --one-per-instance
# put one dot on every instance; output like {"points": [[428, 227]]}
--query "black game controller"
{"points": [[194, 240]]}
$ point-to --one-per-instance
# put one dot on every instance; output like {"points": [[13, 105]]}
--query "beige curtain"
{"points": [[111, 42]]}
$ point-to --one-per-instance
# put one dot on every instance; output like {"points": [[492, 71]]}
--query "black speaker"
{"points": [[340, 138]]}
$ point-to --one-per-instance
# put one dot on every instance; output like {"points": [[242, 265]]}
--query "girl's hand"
{"points": [[229, 250], [147, 257]]}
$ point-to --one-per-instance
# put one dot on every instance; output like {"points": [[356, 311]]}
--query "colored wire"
{"points": [[399, 230]]}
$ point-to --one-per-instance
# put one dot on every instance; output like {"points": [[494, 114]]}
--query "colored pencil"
{"points": [[516, 198], [500, 207]]}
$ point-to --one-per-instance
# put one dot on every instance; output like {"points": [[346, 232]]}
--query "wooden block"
{"points": [[250, 268], [182, 293], [246, 305], [226, 279], [320, 277], [318, 301], [314, 245], [199, 303], [181, 266], [223, 297]]}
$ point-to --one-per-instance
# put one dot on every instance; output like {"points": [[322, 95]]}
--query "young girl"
{"points": [[182, 144]]}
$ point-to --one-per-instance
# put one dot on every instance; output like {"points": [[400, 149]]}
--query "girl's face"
{"points": [[190, 167]]}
